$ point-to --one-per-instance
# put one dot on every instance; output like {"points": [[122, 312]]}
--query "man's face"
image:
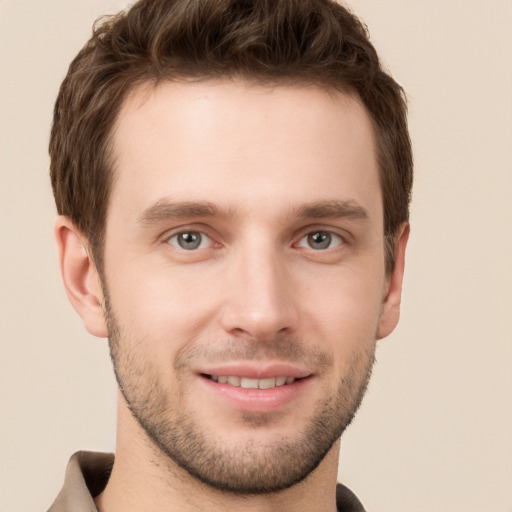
{"points": [[244, 242]]}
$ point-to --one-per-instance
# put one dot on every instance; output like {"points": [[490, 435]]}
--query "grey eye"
{"points": [[190, 240], [320, 240]]}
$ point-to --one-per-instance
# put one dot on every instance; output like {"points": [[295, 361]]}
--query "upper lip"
{"points": [[257, 371]]}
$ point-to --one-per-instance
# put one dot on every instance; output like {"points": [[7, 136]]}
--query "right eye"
{"points": [[190, 240]]}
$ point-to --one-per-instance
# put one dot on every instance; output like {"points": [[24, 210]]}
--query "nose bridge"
{"points": [[260, 298]]}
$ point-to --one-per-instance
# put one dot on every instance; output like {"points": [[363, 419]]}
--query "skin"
{"points": [[274, 163]]}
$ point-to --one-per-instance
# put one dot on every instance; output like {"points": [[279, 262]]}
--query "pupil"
{"points": [[320, 240], [189, 240]]}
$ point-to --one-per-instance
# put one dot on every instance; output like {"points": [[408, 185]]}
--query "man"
{"points": [[233, 181]]}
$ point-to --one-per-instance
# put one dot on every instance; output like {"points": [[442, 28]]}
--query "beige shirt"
{"points": [[87, 475]]}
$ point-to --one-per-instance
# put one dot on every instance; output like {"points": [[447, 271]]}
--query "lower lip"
{"points": [[257, 400]]}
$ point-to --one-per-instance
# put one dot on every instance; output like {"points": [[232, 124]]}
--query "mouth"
{"points": [[257, 389], [252, 383]]}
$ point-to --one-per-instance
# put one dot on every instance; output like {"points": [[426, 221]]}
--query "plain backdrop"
{"points": [[435, 430]]}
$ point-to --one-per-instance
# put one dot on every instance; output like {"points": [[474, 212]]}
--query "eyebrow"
{"points": [[164, 210], [332, 210]]}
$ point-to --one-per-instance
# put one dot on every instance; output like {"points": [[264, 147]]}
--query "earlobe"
{"points": [[390, 313], [80, 277]]}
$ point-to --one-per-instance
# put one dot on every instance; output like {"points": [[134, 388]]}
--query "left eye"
{"points": [[190, 240], [320, 240]]}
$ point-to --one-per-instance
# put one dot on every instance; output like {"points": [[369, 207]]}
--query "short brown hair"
{"points": [[269, 41]]}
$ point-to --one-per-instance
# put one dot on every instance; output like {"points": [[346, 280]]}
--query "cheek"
{"points": [[160, 305], [345, 314]]}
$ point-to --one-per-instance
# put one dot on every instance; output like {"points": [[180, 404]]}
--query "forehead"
{"points": [[242, 145]]}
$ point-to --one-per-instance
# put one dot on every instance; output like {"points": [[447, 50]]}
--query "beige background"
{"points": [[435, 431]]}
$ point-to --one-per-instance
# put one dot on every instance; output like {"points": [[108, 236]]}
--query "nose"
{"points": [[260, 299]]}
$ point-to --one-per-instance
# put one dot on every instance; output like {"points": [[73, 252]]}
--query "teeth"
{"points": [[247, 383], [267, 383], [234, 381]]}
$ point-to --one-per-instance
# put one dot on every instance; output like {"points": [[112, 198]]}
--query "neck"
{"points": [[144, 479]]}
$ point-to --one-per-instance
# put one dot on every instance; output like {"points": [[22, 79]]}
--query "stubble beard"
{"points": [[254, 467]]}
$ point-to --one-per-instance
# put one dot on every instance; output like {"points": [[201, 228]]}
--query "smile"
{"points": [[248, 383], [258, 390]]}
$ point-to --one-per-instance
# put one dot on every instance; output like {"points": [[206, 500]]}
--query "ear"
{"points": [[390, 313], [81, 279]]}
